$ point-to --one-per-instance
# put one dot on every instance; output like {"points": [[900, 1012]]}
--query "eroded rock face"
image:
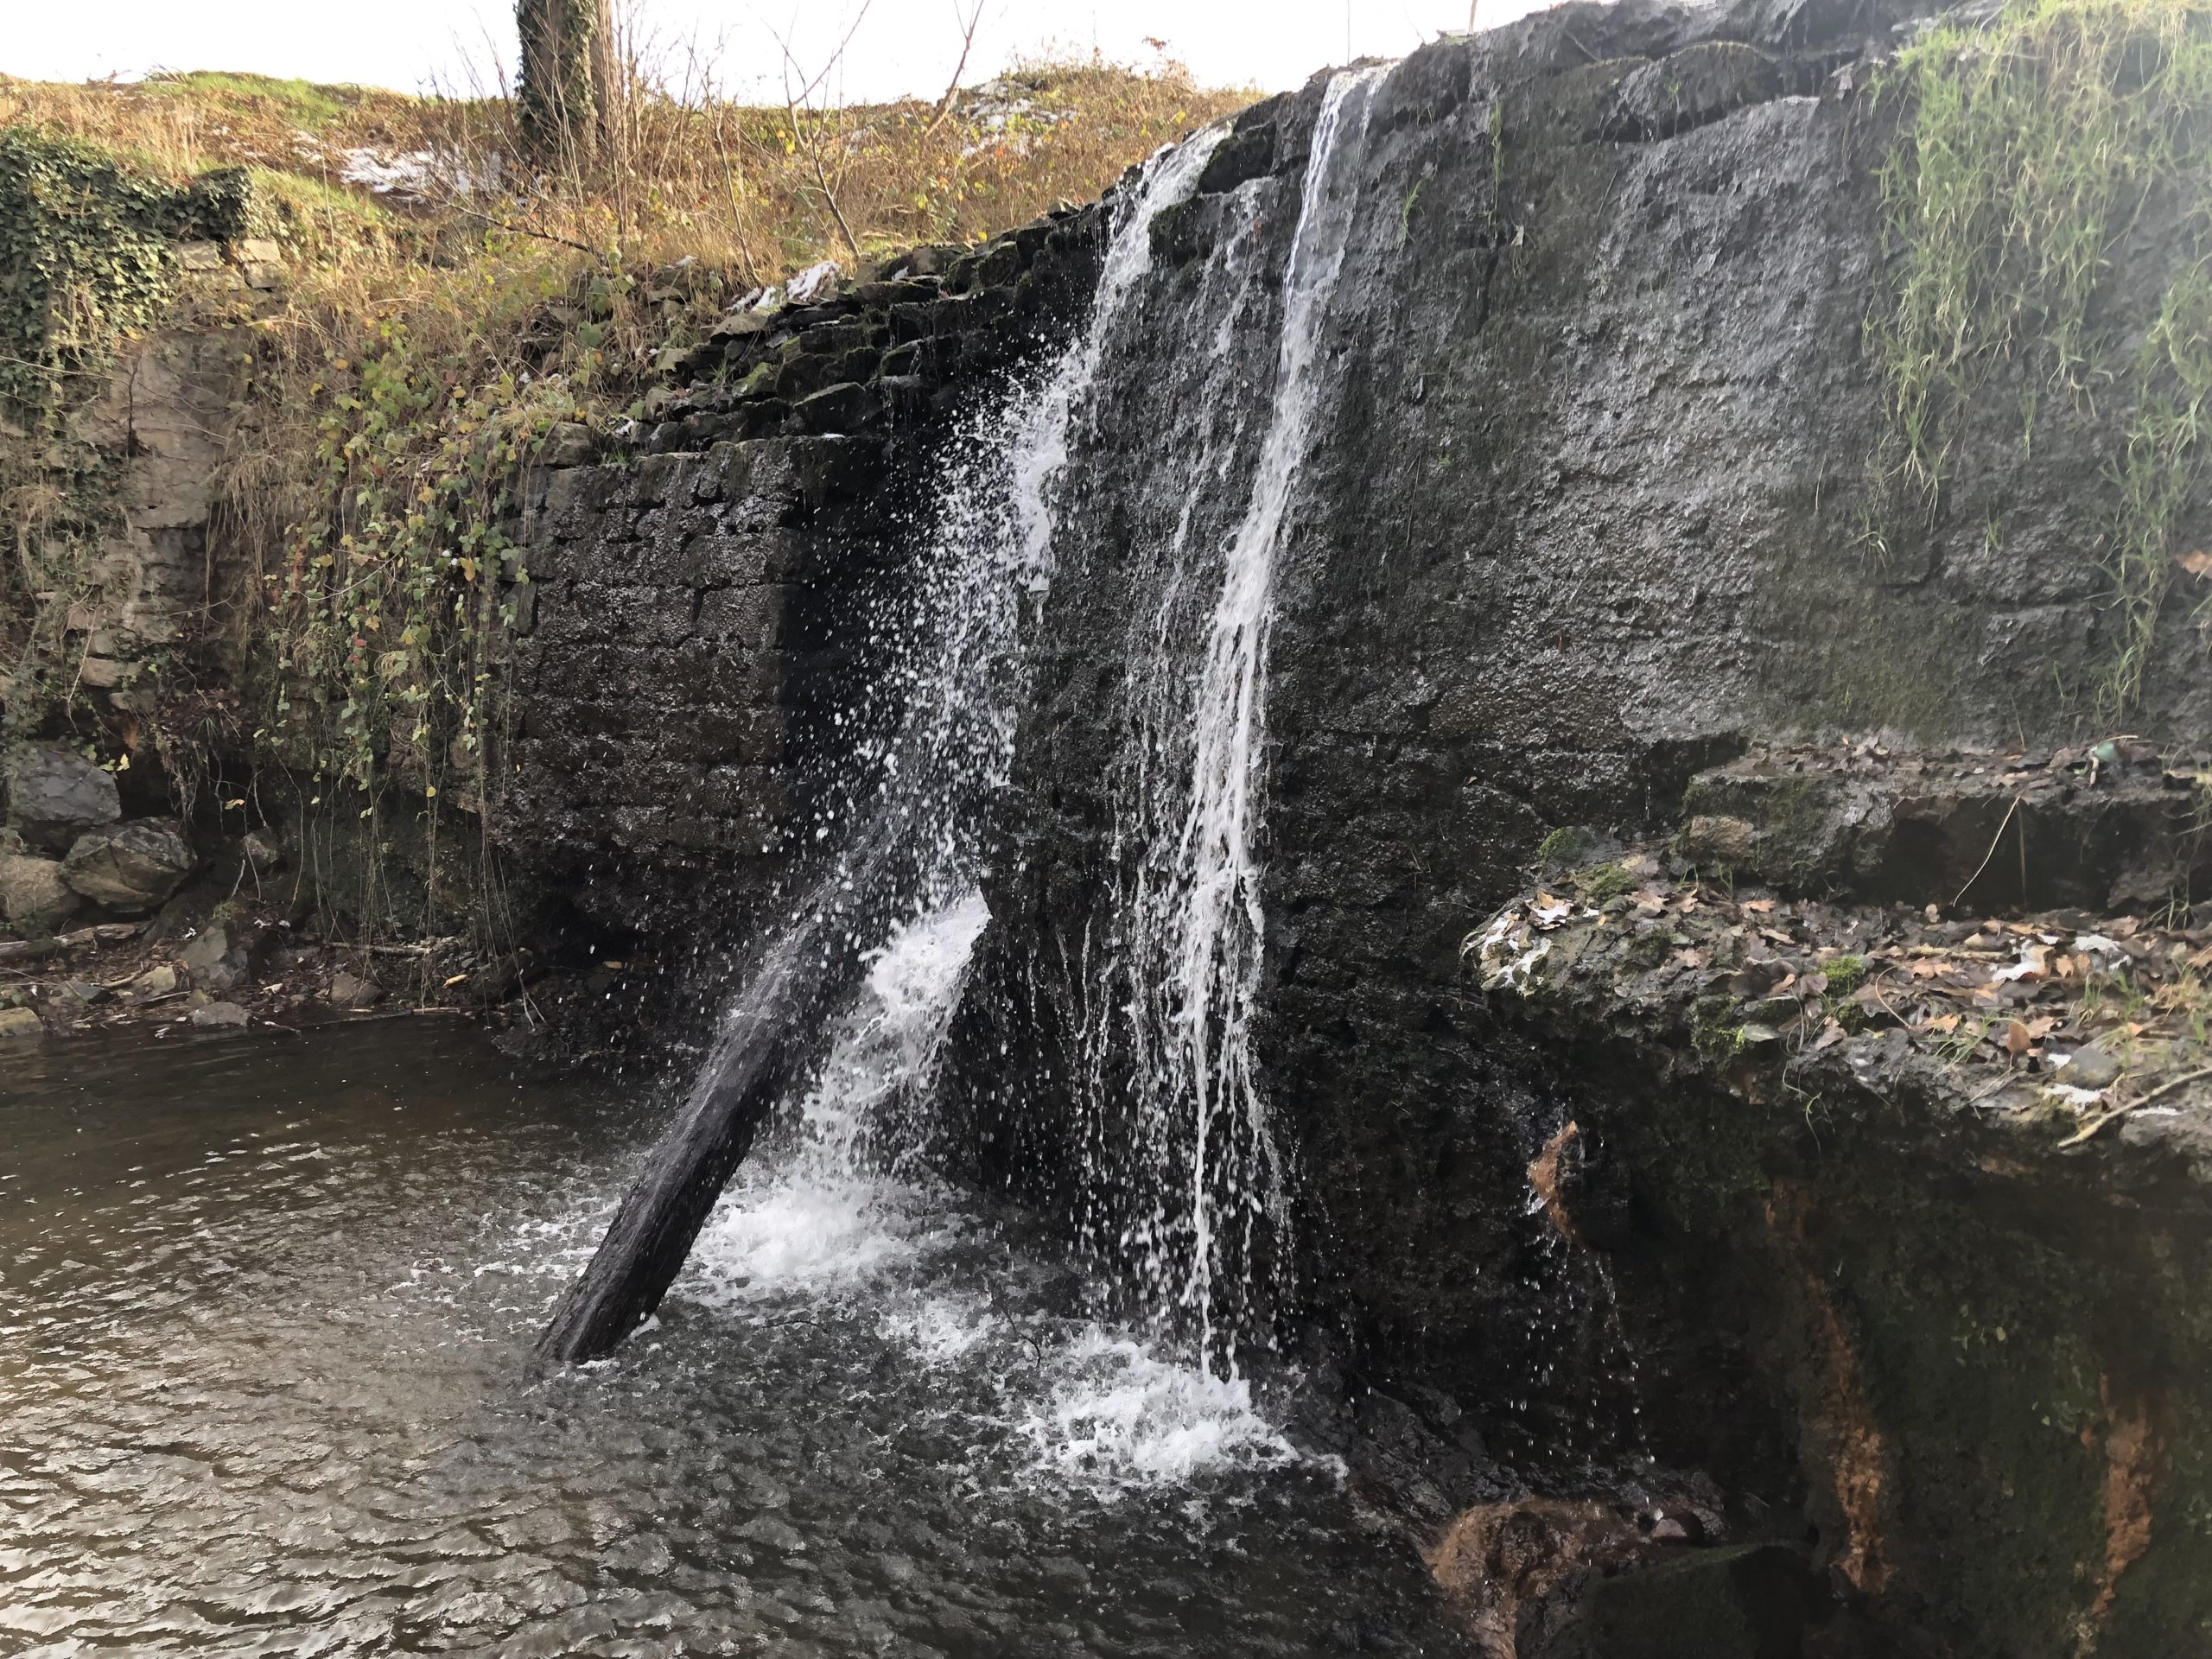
{"points": [[55, 796], [1581, 520], [131, 868]]}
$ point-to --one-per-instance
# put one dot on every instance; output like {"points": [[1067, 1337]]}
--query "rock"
{"points": [[220, 1016], [351, 991], [131, 867], [1502, 1565], [54, 797], [2090, 1067], [777, 1535], [34, 893], [19, 1022], [1751, 1602], [1691, 87], [568, 443], [846, 407], [84, 991], [263, 852], [157, 982], [1718, 841], [214, 963]]}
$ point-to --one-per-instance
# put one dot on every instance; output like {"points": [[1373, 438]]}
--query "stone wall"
{"points": [[700, 621], [680, 655]]}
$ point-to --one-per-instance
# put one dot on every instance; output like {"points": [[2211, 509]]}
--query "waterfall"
{"points": [[1185, 936], [905, 828]]}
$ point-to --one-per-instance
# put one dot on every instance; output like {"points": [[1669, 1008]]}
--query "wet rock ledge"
{"points": [[1881, 1095]]}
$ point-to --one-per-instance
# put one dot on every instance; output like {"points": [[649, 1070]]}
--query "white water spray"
{"points": [[848, 1217], [1187, 929]]}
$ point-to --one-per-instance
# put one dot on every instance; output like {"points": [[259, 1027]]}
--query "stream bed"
{"points": [[264, 1310]]}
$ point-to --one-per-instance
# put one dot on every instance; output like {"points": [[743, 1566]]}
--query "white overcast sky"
{"points": [[901, 47]]}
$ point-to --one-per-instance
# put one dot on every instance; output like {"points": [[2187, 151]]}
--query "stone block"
{"points": [[757, 618]]}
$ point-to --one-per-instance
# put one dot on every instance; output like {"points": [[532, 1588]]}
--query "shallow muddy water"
{"points": [[263, 1312]]}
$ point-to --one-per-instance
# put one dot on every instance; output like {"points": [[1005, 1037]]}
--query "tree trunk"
{"points": [[566, 94]]}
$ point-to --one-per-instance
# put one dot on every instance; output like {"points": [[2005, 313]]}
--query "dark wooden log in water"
{"points": [[661, 1216], [771, 1036]]}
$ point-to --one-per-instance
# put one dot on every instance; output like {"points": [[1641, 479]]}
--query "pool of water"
{"points": [[264, 1309]]}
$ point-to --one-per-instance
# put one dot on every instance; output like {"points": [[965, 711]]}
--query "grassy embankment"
{"points": [[425, 340]]}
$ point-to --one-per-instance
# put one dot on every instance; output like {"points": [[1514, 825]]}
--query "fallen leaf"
{"points": [[1758, 906], [1945, 1022], [1650, 901], [1831, 1034], [1931, 969], [2017, 1039], [2034, 963], [2196, 562]]}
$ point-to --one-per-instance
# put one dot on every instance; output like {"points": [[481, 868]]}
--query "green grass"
{"points": [[2025, 151], [308, 103]]}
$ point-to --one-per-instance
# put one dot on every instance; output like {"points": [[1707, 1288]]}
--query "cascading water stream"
{"points": [[908, 828], [1187, 923]]}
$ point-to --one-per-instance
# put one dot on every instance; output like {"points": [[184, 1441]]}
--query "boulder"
{"points": [[18, 1023], [34, 893], [55, 796], [131, 867], [352, 991], [220, 1016]]}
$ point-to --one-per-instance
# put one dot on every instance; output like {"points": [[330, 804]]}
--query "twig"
{"points": [[736, 208], [2120, 1111], [599, 254], [1991, 853], [967, 45], [812, 142]]}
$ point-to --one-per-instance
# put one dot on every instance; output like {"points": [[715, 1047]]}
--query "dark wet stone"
{"points": [[55, 795]]}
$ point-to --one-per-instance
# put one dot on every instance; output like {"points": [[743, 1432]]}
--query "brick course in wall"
{"points": [[701, 598]]}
